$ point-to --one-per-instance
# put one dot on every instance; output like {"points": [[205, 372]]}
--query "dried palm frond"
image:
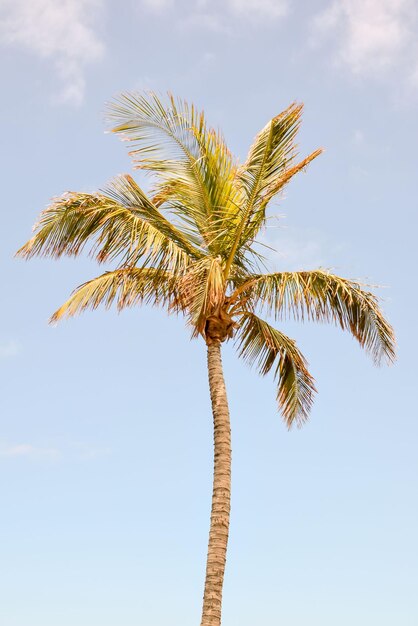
{"points": [[202, 291], [324, 297]]}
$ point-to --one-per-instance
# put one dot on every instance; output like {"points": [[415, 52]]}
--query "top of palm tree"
{"points": [[190, 244]]}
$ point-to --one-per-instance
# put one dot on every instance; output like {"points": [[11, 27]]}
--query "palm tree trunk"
{"points": [[221, 495]]}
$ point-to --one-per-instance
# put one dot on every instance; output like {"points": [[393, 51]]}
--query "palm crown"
{"points": [[189, 245]]}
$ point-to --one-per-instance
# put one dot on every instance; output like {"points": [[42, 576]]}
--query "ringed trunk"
{"points": [[221, 495]]}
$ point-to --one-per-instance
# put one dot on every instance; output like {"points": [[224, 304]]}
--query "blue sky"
{"points": [[105, 431]]}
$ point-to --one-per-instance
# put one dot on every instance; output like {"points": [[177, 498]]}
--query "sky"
{"points": [[105, 427]]}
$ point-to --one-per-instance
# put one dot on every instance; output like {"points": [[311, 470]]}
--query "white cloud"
{"points": [[372, 37], [207, 21], [67, 450], [216, 14], [24, 450], [158, 6], [61, 31], [259, 8], [9, 349]]}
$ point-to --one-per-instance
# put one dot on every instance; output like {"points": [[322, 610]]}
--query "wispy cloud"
{"points": [[158, 6], [261, 9], [25, 450], [64, 451], [9, 349], [216, 15], [62, 32], [371, 37]]}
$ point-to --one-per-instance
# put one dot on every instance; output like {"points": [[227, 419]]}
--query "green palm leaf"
{"points": [[261, 344], [120, 223], [125, 287], [194, 167], [269, 166]]}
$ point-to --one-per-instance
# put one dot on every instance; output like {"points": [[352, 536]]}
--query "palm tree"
{"points": [[189, 246]]}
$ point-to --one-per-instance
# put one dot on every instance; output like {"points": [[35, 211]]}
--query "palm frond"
{"points": [[324, 297], [269, 166], [261, 344], [219, 171], [194, 167], [120, 223], [258, 218], [126, 192], [271, 153], [126, 287]]}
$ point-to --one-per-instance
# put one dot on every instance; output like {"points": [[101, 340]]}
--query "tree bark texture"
{"points": [[221, 496]]}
